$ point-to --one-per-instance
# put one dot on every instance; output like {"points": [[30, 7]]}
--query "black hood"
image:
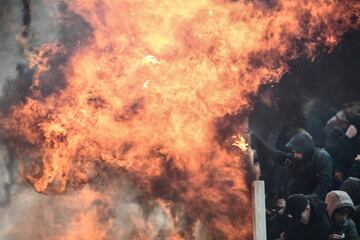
{"points": [[318, 209], [352, 187], [303, 143]]}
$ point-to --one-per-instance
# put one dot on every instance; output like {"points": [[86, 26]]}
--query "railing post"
{"points": [[259, 211]]}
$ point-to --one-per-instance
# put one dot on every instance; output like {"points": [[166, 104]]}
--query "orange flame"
{"points": [[144, 93]]}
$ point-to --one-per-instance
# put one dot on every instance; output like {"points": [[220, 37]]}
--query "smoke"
{"points": [[332, 78], [10, 27], [6, 174], [313, 91], [25, 27], [90, 213], [110, 207]]}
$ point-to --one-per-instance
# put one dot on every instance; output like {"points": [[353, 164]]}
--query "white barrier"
{"points": [[259, 214]]}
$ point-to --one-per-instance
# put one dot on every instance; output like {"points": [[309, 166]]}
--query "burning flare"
{"points": [[240, 142], [145, 91]]}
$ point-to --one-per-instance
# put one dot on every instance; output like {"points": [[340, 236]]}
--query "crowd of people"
{"points": [[312, 180]]}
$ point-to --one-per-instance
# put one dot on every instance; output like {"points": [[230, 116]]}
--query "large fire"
{"points": [[144, 94]]}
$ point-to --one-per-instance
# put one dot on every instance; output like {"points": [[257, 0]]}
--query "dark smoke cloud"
{"points": [[26, 17], [332, 78], [312, 91]]}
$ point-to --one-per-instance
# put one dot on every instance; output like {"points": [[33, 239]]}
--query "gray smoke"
{"points": [[10, 27], [117, 215], [42, 29], [5, 175]]}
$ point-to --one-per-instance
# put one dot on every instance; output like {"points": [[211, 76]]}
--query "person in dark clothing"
{"points": [[277, 221], [342, 119], [310, 167], [343, 147], [340, 208], [342, 142], [316, 116], [339, 120], [307, 218], [352, 187], [355, 168]]}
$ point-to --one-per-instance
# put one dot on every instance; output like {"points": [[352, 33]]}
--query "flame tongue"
{"points": [[144, 92]]}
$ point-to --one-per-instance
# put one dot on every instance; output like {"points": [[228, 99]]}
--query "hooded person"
{"points": [[342, 140], [310, 167], [339, 120], [352, 187], [277, 221], [340, 208], [307, 218], [344, 118]]}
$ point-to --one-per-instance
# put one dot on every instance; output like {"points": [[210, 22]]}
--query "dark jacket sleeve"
{"points": [[351, 232], [334, 140], [324, 171], [267, 153], [293, 232], [355, 170], [340, 147]]}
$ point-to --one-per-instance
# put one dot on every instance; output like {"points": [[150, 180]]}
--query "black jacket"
{"points": [[312, 174], [348, 229], [277, 224], [318, 228], [352, 187], [355, 170], [356, 218], [342, 149]]}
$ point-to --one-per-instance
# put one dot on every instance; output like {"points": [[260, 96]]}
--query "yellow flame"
{"points": [[241, 143]]}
